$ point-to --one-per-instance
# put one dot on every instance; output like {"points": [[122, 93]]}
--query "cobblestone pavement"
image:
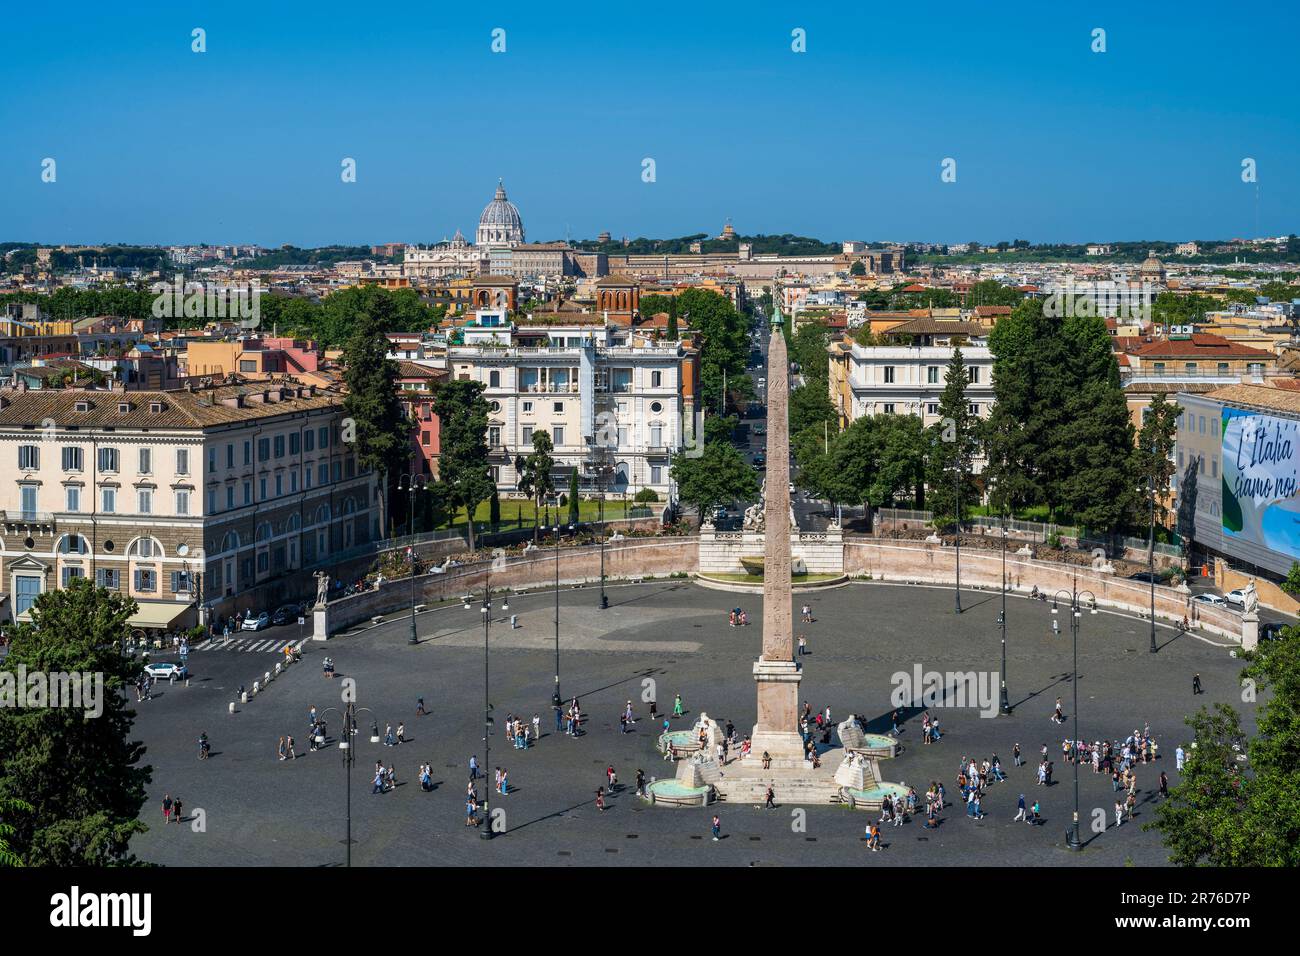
{"points": [[659, 638]]}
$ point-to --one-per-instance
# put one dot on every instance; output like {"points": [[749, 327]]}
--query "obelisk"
{"points": [[775, 672]]}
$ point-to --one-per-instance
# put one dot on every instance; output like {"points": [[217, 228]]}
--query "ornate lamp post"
{"points": [[1005, 704], [1151, 560], [349, 718], [412, 483], [957, 472], [486, 611], [1074, 594]]}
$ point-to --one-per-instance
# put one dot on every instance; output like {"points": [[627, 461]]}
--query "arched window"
{"points": [[349, 506], [294, 522], [145, 548], [73, 544], [230, 542], [264, 531], [323, 513]]}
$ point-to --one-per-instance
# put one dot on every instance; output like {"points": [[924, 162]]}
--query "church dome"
{"points": [[500, 223], [1153, 267]]}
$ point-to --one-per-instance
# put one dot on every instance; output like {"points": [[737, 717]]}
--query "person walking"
{"points": [[1034, 814], [167, 804], [537, 727], [419, 708], [378, 782], [677, 706], [769, 798], [1180, 757], [1196, 683], [473, 767], [401, 733], [640, 782], [178, 813], [289, 747], [600, 799], [611, 777], [1020, 808], [280, 750], [716, 827], [1015, 754], [1164, 785]]}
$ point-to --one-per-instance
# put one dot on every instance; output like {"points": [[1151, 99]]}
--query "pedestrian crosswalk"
{"points": [[249, 645]]}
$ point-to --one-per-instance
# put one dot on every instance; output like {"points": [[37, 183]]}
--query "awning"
{"points": [[160, 614]]}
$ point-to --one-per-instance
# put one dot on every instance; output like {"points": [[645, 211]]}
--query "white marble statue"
{"points": [[322, 587], [1250, 598]]}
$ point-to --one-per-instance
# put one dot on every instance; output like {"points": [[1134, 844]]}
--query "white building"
{"points": [[908, 379], [616, 405]]}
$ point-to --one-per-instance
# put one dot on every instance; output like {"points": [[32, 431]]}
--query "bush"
{"points": [[646, 495]]}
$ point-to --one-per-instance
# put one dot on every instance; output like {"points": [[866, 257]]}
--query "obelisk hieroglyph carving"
{"points": [[775, 673]]}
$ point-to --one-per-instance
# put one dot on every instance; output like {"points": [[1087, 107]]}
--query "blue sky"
{"points": [[243, 143]]}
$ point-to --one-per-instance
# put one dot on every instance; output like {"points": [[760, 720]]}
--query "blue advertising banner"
{"points": [[1261, 467]]}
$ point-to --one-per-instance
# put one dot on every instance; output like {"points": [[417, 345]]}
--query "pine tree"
{"points": [[463, 452], [534, 473], [953, 444], [573, 498]]}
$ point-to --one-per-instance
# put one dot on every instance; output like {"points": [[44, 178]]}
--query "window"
{"points": [[146, 579], [889, 374], [108, 460], [1202, 424], [212, 500], [72, 571], [656, 407], [230, 497], [494, 379], [350, 467], [143, 548], [27, 588], [248, 365], [932, 408], [309, 440], [295, 443], [527, 435], [279, 485], [230, 456], [973, 409], [279, 446], [29, 501], [74, 498], [73, 544], [323, 437], [248, 452], [108, 500], [263, 449], [182, 461], [888, 408], [1214, 466], [72, 459], [182, 502], [974, 374], [212, 460], [146, 461], [656, 379], [528, 406], [293, 481], [323, 474], [1223, 368], [337, 471], [248, 492], [107, 578], [29, 457], [263, 562], [558, 407], [306, 477], [656, 436], [261, 489], [145, 500], [494, 436], [557, 435], [656, 475], [180, 582], [932, 375]]}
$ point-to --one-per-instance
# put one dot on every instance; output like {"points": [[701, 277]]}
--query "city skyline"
{"points": [[844, 141]]}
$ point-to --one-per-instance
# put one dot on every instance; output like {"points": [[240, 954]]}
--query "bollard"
{"points": [[232, 706], [243, 698], [514, 621], [266, 678], [277, 670], [256, 688], [187, 682]]}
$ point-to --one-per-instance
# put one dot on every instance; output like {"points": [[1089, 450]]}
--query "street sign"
{"points": [[302, 621]]}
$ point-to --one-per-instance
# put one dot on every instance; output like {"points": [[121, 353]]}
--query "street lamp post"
{"points": [[349, 718], [1005, 703], [1151, 560], [957, 509], [556, 700], [1073, 840], [413, 484], [486, 611]]}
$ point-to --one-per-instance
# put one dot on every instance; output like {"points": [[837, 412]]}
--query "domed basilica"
{"points": [[500, 224]]}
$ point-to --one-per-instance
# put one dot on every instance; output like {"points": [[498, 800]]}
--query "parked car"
{"points": [[760, 461], [1211, 599], [166, 671], [1144, 577], [252, 623], [760, 429], [1236, 597], [288, 614]]}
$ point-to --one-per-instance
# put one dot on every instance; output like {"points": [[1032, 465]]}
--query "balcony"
{"points": [[31, 519]]}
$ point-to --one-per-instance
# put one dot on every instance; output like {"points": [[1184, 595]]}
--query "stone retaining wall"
{"points": [[892, 560]]}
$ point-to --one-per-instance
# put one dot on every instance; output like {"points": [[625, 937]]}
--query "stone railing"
{"points": [[906, 561]]}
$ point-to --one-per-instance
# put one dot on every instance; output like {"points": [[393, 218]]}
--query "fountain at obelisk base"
{"points": [[849, 772]]}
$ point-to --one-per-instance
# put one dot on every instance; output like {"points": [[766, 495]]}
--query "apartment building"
{"points": [[193, 502], [908, 379], [616, 405]]}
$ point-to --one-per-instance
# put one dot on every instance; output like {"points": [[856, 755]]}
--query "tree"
{"points": [[1155, 450], [720, 475], [808, 347], [380, 429], [534, 472], [1226, 812], [719, 427], [1291, 585], [954, 440], [463, 452], [810, 407], [494, 509], [857, 269], [11, 806], [574, 514], [80, 775]]}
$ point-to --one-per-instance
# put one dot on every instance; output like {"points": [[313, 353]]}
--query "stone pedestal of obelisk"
{"points": [[775, 673]]}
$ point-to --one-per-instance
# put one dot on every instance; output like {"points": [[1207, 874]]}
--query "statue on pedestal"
{"points": [[322, 587], [1250, 598]]}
